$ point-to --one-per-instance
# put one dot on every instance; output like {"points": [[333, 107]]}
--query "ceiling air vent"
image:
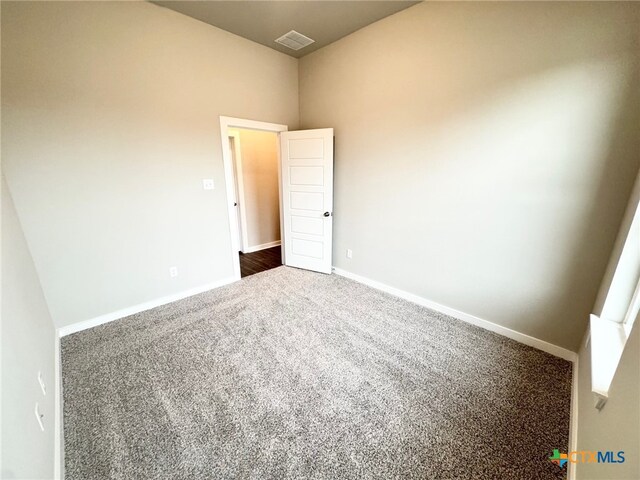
{"points": [[294, 40]]}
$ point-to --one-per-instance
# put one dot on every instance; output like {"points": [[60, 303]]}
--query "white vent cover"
{"points": [[294, 40]]}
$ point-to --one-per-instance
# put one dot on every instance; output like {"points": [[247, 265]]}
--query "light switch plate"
{"points": [[208, 184]]}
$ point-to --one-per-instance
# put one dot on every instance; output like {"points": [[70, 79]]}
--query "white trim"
{"points": [[252, 124], [573, 422], [239, 183], [58, 443], [632, 311], [263, 246], [125, 312], [225, 124], [283, 256], [465, 317], [607, 344]]}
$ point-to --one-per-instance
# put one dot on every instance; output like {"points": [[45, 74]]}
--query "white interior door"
{"points": [[233, 146], [307, 198]]}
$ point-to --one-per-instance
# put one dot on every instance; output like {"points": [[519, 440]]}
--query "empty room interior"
{"points": [[320, 240]]}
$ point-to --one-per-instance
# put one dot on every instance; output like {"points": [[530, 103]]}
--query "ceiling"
{"points": [[264, 21]]}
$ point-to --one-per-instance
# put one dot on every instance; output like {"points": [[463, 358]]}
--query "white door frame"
{"points": [[239, 190], [225, 124]]}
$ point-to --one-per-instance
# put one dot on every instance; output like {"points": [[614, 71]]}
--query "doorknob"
{"points": [[326, 214]]}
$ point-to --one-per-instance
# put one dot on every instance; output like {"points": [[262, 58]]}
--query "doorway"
{"points": [[252, 169], [255, 166], [305, 193]]}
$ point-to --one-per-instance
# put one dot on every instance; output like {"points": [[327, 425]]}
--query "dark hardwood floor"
{"points": [[257, 262]]}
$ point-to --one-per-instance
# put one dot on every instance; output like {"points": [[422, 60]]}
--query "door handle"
{"points": [[326, 214]]}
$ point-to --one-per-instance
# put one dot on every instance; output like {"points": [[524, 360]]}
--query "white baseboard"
{"points": [[125, 312], [58, 443], [573, 425], [264, 246], [465, 317]]}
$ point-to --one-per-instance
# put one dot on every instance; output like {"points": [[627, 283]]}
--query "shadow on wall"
{"points": [[611, 194], [572, 133], [499, 144]]}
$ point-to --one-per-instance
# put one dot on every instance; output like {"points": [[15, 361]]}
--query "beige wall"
{"points": [[28, 347], [623, 270], [260, 179], [617, 426], [485, 151], [110, 121]]}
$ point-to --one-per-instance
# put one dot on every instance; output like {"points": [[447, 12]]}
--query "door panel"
{"points": [[306, 175], [307, 198], [311, 226]]}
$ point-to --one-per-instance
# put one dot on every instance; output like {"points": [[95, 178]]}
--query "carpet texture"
{"points": [[292, 374]]}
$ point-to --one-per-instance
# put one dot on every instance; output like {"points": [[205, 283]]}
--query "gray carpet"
{"points": [[292, 374]]}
